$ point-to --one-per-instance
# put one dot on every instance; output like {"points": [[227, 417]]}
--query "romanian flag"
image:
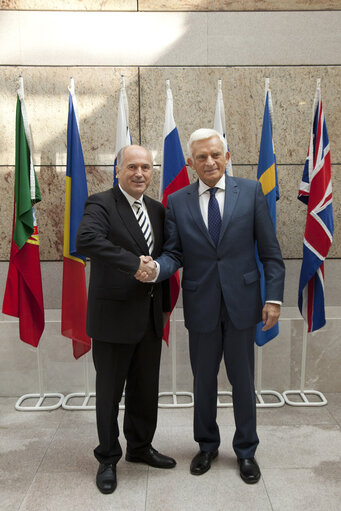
{"points": [[24, 294], [173, 177], [74, 297], [267, 175]]}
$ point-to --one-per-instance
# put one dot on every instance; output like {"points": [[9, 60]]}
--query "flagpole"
{"points": [[304, 356], [41, 395], [302, 392], [259, 391], [173, 341]]}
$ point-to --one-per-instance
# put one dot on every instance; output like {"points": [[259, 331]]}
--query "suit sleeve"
{"points": [[171, 258], [92, 239], [268, 248]]}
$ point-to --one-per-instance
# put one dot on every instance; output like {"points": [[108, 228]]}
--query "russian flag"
{"points": [[173, 177], [74, 297]]}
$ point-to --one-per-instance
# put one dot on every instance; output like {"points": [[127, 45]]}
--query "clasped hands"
{"points": [[147, 269]]}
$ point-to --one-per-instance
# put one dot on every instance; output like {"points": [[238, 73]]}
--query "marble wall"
{"points": [[194, 90], [170, 5], [193, 43]]}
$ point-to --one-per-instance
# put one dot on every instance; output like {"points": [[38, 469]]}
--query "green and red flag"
{"points": [[23, 297], [74, 297]]}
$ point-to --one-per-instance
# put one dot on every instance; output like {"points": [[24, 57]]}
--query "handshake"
{"points": [[147, 269]]}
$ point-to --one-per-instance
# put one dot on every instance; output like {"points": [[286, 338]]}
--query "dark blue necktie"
{"points": [[214, 218]]}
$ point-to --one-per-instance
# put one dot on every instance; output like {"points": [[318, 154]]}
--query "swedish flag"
{"points": [[267, 175]]}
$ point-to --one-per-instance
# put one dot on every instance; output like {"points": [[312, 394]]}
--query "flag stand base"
{"points": [[38, 407], [175, 403], [262, 404], [260, 401], [83, 406], [303, 395], [224, 404]]}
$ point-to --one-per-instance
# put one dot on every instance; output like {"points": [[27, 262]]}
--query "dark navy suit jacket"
{"points": [[230, 270]]}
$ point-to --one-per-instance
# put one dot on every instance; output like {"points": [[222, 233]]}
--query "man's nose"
{"points": [[210, 161], [139, 171]]}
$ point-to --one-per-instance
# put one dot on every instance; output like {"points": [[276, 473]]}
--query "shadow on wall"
{"points": [[194, 90]]}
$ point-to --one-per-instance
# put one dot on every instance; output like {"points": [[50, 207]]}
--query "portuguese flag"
{"points": [[23, 294]]}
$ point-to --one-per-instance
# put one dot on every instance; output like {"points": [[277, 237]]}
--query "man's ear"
{"points": [[227, 156], [190, 163]]}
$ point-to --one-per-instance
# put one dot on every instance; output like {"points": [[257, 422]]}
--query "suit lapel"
{"points": [[154, 217], [129, 219], [231, 196], [194, 207]]}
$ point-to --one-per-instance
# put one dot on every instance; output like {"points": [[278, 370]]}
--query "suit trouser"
{"points": [[206, 351], [138, 365]]}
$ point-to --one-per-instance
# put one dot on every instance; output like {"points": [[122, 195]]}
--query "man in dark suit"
{"points": [[124, 317], [211, 228]]}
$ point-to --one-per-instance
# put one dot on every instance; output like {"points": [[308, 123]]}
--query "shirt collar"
{"points": [[129, 198], [203, 187]]}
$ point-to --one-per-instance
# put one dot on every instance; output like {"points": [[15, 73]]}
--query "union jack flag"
{"points": [[316, 191]]}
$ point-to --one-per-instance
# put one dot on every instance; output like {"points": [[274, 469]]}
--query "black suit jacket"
{"points": [[109, 234]]}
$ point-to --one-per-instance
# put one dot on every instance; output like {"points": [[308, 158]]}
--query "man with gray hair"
{"points": [[211, 229], [125, 318]]}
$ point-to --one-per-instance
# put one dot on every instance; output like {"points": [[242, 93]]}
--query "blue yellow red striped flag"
{"points": [[74, 297]]}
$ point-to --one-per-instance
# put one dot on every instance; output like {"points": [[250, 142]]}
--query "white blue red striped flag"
{"points": [[219, 123], [316, 191], [173, 177], [123, 137]]}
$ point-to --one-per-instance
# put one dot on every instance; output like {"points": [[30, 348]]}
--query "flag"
{"points": [[316, 192], [267, 175], [74, 297], [123, 137], [173, 177], [24, 294], [219, 123]]}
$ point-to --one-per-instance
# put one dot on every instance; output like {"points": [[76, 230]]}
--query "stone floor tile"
{"points": [[24, 449], [12, 418], [290, 415], [316, 489], [302, 446], [74, 491], [13, 487], [217, 490], [334, 406], [71, 450]]}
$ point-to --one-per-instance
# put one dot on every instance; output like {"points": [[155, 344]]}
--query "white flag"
{"points": [[123, 137], [219, 123]]}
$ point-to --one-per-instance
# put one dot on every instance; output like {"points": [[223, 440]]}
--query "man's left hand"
{"points": [[270, 315]]}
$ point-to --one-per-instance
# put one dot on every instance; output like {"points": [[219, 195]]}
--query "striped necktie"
{"points": [[144, 224], [214, 218]]}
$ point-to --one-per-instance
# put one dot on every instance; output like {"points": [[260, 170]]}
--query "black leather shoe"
{"points": [[152, 458], [202, 462], [249, 470], [106, 478]]}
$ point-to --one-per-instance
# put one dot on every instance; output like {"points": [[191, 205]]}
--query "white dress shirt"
{"points": [[131, 201]]}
